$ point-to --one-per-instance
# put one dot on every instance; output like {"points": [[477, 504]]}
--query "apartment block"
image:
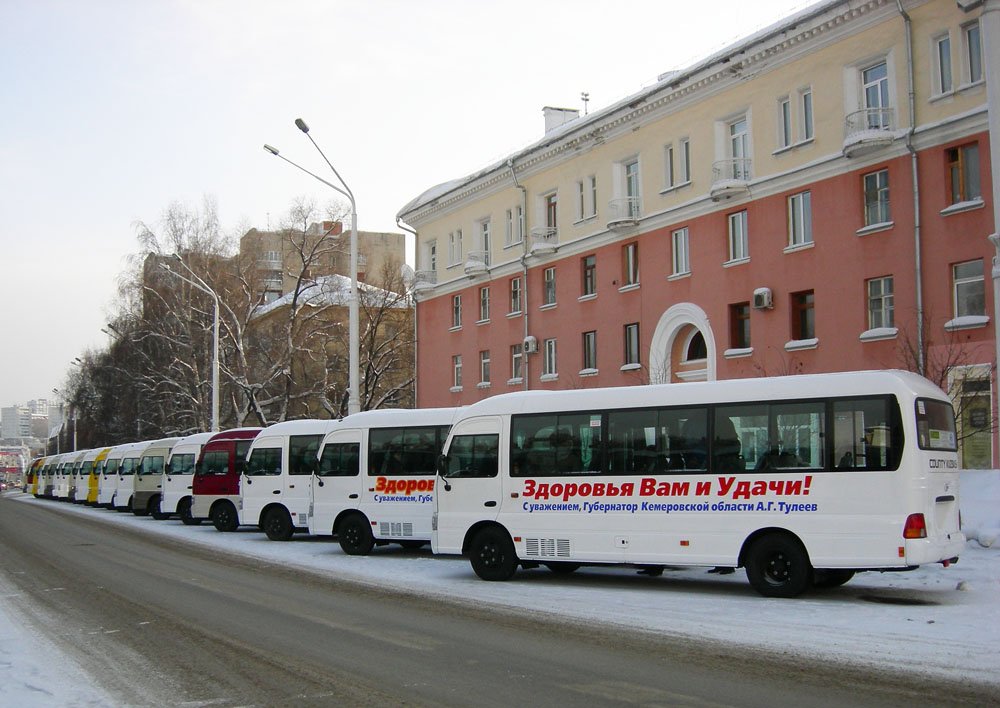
{"points": [[816, 197]]}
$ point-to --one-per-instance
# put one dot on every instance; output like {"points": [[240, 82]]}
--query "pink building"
{"points": [[755, 214]]}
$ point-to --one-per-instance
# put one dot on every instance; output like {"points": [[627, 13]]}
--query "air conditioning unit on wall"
{"points": [[763, 299], [530, 345]]}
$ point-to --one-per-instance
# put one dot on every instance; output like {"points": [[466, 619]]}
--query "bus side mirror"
{"points": [[442, 468]]}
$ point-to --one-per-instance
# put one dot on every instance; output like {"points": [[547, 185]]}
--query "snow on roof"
{"points": [[327, 290]]}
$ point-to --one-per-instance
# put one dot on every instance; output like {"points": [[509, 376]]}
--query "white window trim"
{"points": [[588, 372], [738, 353], [630, 367], [936, 69], [795, 345], [967, 322], [959, 207], [878, 334], [875, 228]]}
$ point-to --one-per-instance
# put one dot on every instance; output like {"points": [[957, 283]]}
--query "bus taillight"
{"points": [[915, 526]]}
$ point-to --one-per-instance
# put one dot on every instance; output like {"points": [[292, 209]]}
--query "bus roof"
{"points": [[309, 426], [234, 434], [394, 417]]}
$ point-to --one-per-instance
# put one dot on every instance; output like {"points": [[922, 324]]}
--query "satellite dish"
{"points": [[408, 275]]}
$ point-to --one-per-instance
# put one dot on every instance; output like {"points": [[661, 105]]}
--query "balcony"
{"points": [[478, 263], [624, 212], [544, 239], [731, 178], [424, 280], [868, 130]]}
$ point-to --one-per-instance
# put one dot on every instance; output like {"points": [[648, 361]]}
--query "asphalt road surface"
{"points": [[161, 623]]}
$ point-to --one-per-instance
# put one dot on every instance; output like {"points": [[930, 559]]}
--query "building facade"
{"points": [[817, 197]]}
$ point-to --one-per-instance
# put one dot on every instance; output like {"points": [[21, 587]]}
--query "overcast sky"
{"points": [[111, 110]]}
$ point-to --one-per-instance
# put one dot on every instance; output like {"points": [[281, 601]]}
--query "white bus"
{"points": [[107, 485], [374, 483], [797, 479], [81, 477], [126, 475], [274, 487], [178, 475], [147, 488]]}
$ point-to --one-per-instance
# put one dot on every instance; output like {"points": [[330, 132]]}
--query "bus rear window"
{"points": [[935, 425]]}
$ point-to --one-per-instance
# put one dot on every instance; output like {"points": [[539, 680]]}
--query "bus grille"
{"points": [[547, 547], [395, 528]]}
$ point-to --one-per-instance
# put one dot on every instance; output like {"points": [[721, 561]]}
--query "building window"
{"points": [[806, 99], [484, 366], [630, 264], [632, 188], [800, 219], [803, 315], [739, 243], [586, 198], [970, 297], [484, 304], [942, 70], [970, 386], [456, 371], [516, 357], [684, 161], [590, 350], [549, 286], [880, 303], [549, 358], [456, 311], [455, 247], [681, 251], [739, 149], [875, 89], [431, 255], [514, 228], [515, 295], [669, 178], [963, 173], [784, 122], [632, 343], [877, 198], [973, 53], [485, 240], [550, 203], [739, 325], [588, 266]]}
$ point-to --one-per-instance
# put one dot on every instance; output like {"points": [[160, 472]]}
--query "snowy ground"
{"points": [[953, 631]]}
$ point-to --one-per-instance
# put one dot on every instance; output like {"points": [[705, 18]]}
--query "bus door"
{"points": [[296, 481], [337, 483], [470, 488], [262, 483]]}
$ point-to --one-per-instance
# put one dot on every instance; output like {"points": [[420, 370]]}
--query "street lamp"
{"points": [[200, 285], [354, 386]]}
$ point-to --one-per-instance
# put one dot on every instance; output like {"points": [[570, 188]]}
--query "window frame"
{"points": [[740, 239], [590, 350], [456, 311], [588, 275], [800, 219], [965, 170], [739, 325], [516, 296], [803, 312], [549, 286], [957, 283], [881, 304], [680, 256], [630, 264], [631, 342], [484, 303], [549, 359], [883, 206]]}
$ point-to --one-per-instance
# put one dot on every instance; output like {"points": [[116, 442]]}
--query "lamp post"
{"points": [[200, 285], [354, 386]]}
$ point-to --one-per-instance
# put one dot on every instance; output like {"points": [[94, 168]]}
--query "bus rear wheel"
{"points": [[355, 536], [778, 566], [492, 554], [224, 517], [184, 511], [278, 525]]}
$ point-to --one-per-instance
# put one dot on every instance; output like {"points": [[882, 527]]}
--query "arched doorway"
{"points": [[683, 346]]}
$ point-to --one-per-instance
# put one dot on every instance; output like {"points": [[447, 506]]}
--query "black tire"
{"points": [[831, 578], [184, 511], [277, 525], [492, 554], [154, 508], [562, 567], [355, 535], [778, 566], [224, 517]]}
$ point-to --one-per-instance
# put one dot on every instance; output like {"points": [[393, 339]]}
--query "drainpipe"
{"points": [[413, 294], [918, 265], [524, 270]]}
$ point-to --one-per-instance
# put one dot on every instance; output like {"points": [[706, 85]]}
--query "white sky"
{"points": [[112, 109]]}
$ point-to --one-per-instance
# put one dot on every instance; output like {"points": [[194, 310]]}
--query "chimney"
{"points": [[555, 117]]}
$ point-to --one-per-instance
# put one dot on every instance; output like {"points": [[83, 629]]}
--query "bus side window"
{"points": [[473, 456]]}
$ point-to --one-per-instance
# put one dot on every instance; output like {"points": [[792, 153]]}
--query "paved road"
{"points": [[161, 623]]}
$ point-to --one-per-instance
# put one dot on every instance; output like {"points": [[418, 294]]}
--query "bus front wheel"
{"points": [[355, 536], [492, 554], [778, 566], [278, 525], [184, 511], [224, 517]]}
